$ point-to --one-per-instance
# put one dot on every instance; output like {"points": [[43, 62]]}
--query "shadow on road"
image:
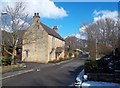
{"points": [[76, 72], [58, 75]]}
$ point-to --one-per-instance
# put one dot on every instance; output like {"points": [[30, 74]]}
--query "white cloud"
{"points": [[21, 22], [79, 36], [82, 32], [46, 8], [6, 28], [82, 29], [97, 16], [105, 14]]}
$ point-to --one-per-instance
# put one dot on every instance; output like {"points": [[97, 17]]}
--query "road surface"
{"points": [[57, 75]]}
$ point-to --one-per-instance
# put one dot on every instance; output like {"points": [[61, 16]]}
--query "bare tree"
{"points": [[102, 36], [15, 14], [118, 25]]}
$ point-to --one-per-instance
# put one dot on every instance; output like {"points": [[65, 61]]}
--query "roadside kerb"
{"points": [[79, 78], [20, 72]]}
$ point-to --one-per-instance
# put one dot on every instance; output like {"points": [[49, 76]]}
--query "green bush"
{"points": [[6, 61], [80, 53], [91, 59], [70, 54], [53, 61], [76, 54], [61, 58], [90, 66]]}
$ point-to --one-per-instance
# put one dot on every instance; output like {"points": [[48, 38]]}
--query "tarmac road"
{"points": [[63, 74]]}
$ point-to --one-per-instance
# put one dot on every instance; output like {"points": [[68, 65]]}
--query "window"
{"points": [[53, 41], [38, 26], [26, 54], [42, 29], [37, 21]]}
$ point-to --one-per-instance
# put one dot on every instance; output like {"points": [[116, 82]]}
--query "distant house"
{"points": [[41, 43], [7, 42]]}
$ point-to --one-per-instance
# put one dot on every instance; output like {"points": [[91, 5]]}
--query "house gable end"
{"points": [[51, 32]]}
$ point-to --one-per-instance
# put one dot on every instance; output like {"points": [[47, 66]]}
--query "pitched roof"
{"points": [[51, 31], [7, 37]]}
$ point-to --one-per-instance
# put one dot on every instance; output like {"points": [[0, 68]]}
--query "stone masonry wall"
{"points": [[58, 43], [36, 44]]}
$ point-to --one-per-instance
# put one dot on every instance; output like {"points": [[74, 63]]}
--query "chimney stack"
{"points": [[37, 14], [55, 28], [36, 17], [34, 14]]}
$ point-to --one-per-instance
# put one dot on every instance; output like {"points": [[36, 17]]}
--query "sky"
{"points": [[68, 16], [78, 14]]}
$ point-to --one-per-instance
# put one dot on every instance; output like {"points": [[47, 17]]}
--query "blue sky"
{"points": [[78, 14], [68, 16]]}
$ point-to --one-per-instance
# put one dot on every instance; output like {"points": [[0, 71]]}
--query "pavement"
{"points": [[59, 74]]}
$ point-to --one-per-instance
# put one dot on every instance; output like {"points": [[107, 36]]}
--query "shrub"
{"points": [[70, 54], [90, 66], [76, 54], [80, 53], [91, 59], [61, 58], [66, 55], [53, 61], [6, 61]]}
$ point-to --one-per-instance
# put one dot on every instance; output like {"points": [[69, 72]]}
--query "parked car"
{"points": [[85, 56]]}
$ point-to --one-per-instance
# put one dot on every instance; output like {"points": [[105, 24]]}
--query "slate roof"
{"points": [[7, 37], [51, 31]]}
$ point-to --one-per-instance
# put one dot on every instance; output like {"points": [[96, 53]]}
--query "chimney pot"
{"points": [[55, 28], [34, 14], [36, 17], [37, 14]]}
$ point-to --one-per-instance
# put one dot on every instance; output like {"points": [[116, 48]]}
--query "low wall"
{"points": [[105, 77], [11, 68]]}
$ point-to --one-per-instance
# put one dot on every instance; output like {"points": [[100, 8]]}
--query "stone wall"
{"points": [[53, 46], [35, 44], [38, 46]]}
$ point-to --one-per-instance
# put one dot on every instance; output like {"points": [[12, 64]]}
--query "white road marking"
{"points": [[18, 74]]}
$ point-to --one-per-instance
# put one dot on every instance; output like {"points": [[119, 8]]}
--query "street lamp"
{"points": [[96, 48], [1, 14], [96, 43]]}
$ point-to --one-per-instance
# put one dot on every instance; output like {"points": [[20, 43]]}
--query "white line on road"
{"points": [[18, 73]]}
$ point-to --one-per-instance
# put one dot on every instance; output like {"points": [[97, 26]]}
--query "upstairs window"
{"points": [[53, 41], [38, 27], [37, 21]]}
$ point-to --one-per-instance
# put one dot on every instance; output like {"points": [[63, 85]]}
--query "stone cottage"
{"points": [[41, 43]]}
